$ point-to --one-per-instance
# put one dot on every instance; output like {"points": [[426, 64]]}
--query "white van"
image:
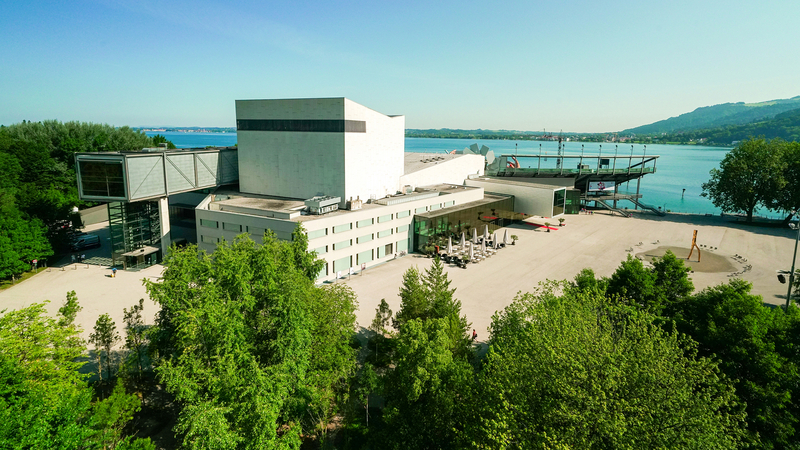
{"points": [[86, 241]]}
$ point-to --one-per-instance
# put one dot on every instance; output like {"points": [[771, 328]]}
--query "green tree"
{"points": [[749, 176], [579, 371], [44, 400], [136, 337], [104, 338], [633, 281], [423, 401], [756, 346], [256, 354], [161, 139], [413, 299], [112, 414], [653, 289], [69, 310], [21, 241]]}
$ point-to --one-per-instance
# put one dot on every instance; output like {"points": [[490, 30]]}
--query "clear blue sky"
{"points": [[527, 65]]}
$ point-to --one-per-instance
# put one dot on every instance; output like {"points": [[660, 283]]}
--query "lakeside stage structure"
{"points": [[335, 167]]}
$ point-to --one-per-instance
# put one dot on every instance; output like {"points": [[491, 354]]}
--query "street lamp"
{"points": [[794, 257]]}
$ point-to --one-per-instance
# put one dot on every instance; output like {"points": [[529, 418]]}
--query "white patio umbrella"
{"points": [[471, 253], [474, 235], [463, 241], [450, 246], [505, 237], [485, 232], [483, 246], [495, 242]]}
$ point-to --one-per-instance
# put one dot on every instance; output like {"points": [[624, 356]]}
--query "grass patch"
{"points": [[5, 284]]}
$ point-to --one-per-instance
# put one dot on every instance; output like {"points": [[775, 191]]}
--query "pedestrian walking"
{"points": [[474, 334]]}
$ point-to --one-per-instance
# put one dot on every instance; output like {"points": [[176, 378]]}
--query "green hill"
{"points": [[785, 125], [719, 116]]}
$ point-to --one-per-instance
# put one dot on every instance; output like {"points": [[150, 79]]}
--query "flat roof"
{"points": [[158, 150], [521, 182], [235, 198], [487, 198], [414, 162]]}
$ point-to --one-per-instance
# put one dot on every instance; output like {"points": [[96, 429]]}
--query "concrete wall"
{"points": [[527, 199], [95, 214], [453, 171], [373, 160], [378, 231], [304, 164]]}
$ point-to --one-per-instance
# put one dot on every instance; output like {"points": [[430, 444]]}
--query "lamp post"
{"points": [[794, 257]]}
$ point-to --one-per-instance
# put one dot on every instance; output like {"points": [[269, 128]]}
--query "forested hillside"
{"points": [[719, 116]]}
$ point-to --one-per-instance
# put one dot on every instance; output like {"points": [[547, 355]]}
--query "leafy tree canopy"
{"points": [[579, 371]]}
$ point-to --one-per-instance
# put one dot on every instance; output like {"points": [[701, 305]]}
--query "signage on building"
{"points": [[601, 186]]}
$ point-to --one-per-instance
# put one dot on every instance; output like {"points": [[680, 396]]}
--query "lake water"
{"points": [[678, 167]]}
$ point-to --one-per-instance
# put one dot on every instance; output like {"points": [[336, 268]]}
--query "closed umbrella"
{"points": [[471, 253], [463, 241], [495, 241], [483, 246], [474, 235], [485, 232], [450, 246], [505, 238]]}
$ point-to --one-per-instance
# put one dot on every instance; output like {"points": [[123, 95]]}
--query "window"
{"points": [[231, 227], [402, 228], [450, 203], [365, 223], [385, 218], [209, 239], [402, 246], [317, 233], [343, 227], [209, 223], [343, 265], [436, 206], [321, 250], [323, 272], [365, 238], [343, 244], [402, 214], [420, 210], [385, 233], [257, 232], [364, 257], [385, 250], [102, 178]]}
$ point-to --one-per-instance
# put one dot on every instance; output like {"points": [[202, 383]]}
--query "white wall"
{"points": [[530, 200], [373, 160], [305, 164], [453, 171]]}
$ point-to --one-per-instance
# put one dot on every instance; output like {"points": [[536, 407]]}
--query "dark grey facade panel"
{"points": [[309, 125]]}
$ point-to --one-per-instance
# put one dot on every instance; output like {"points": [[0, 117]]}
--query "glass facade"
{"points": [[133, 226], [102, 178], [434, 228], [572, 204], [558, 201]]}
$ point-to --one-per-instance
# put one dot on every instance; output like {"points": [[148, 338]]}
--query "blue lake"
{"points": [[678, 167]]}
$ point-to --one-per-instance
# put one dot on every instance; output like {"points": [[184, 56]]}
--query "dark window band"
{"points": [[326, 126]]}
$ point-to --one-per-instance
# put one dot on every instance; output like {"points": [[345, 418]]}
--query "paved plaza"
{"points": [[597, 241]]}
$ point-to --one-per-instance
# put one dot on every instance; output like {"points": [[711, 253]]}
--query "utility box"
{"points": [[322, 204]]}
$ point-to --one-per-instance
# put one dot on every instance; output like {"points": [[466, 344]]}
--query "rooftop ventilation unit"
{"points": [[322, 204]]}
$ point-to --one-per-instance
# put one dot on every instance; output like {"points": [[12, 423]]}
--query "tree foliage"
{"points": [[579, 371], [750, 176], [104, 337], [757, 348], [256, 353]]}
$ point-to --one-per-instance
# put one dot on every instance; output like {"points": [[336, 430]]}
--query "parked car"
{"points": [[85, 241]]}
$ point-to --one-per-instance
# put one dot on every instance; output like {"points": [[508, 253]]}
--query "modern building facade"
{"points": [[330, 165]]}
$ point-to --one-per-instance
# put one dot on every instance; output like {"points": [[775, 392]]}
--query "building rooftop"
{"points": [[527, 182], [414, 162], [231, 200]]}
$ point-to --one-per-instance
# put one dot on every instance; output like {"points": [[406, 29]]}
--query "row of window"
{"points": [[381, 219], [361, 240], [342, 266], [256, 231]]}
